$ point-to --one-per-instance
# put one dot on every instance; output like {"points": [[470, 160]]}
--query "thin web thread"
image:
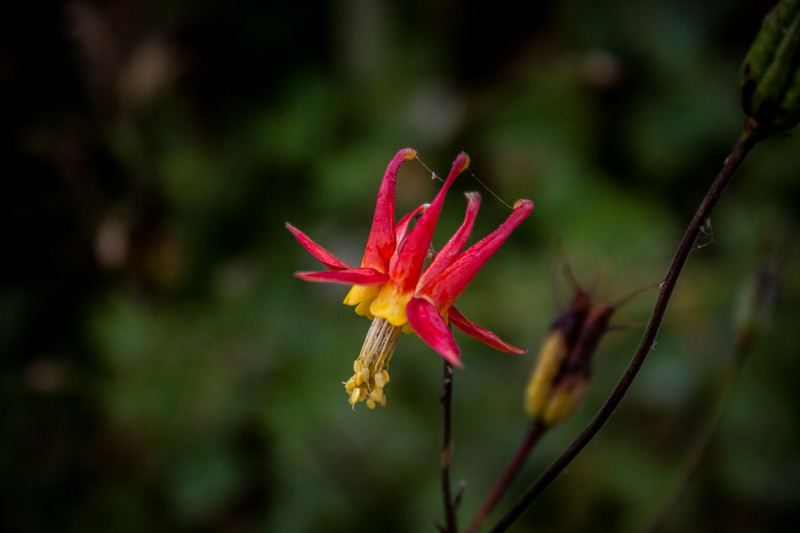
{"points": [[482, 184], [707, 231], [489, 190]]}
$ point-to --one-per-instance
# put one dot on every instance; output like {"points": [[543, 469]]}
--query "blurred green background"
{"points": [[161, 369]]}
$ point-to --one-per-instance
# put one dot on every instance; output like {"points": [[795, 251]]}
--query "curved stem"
{"points": [[752, 134], [451, 526], [532, 436]]}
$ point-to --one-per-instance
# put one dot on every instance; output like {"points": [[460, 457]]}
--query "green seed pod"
{"points": [[769, 85]]}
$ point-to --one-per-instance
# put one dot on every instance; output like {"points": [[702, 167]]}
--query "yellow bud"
{"points": [[540, 386], [565, 400]]}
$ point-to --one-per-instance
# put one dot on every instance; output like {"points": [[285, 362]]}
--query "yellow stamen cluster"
{"points": [[371, 368]]}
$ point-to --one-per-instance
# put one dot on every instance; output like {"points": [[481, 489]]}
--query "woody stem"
{"points": [[451, 525], [750, 137]]}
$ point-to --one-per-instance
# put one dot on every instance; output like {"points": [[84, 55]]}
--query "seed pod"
{"points": [[562, 373], [769, 85], [566, 399], [554, 354], [573, 380], [548, 366]]}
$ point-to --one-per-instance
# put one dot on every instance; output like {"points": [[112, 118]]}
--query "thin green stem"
{"points": [[750, 137]]}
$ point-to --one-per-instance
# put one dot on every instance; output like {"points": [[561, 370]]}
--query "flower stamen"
{"points": [[371, 368]]}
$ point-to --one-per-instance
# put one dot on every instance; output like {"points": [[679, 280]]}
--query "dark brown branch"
{"points": [[751, 135], [451, 525]]}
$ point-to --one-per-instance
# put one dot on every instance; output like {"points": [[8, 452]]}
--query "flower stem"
{"points": [[451, 525], [532, 436], [750, 137], [755, 309]]}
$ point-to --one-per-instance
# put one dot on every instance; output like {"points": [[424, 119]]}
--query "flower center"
{"points": [[371, 368]]}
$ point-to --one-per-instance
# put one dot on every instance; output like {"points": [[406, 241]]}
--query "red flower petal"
{"points": [[320, 253], [381, 242], [426, 321], [453, 247], [406, 264], [482, 334], [351, 276], [445, 288], [402, 227]]}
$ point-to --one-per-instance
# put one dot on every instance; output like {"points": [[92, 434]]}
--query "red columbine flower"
{"points": [[392, 288]]}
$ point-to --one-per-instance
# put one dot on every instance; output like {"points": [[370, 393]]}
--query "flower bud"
{"points": [[566, 398], [554, 356], [563, 371], [769, 85]]}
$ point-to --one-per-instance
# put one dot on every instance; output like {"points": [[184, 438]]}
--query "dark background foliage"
{"points": [[162, 371]]}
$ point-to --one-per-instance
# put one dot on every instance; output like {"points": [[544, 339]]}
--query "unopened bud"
{"points": [[562, 374], [552, 356], [566, 399], [769, 85]]}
